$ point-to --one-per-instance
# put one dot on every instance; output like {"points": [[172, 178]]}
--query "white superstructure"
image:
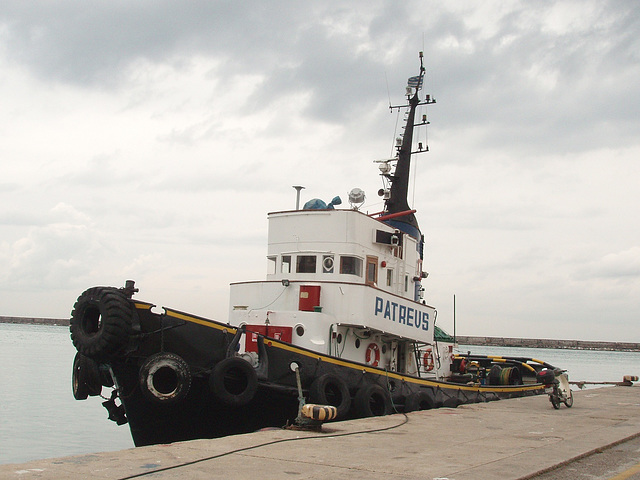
{"points": [[341, 283]]}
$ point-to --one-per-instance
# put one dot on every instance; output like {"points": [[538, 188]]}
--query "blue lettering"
{"points": [[402, 318], [378, 305], [405, 315]]}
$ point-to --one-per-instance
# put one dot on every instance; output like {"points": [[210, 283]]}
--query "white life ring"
{"points": [[427, 360], [372, 357]]}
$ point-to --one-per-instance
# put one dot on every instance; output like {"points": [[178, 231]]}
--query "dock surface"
{"points": [[509, 439]]}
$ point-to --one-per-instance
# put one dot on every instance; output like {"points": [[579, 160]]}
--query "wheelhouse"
{"points": [[343, 283]]}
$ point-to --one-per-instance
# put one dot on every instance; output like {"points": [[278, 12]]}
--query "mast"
{"points": [[397, 201]]}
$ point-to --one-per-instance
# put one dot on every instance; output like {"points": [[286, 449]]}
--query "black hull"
{"points": [[200, 413]]}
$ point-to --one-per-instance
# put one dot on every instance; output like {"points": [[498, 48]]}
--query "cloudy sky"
{"points": [[147, 140]]}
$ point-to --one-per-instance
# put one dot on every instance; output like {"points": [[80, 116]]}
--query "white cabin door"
{"points": [[372, 271]]}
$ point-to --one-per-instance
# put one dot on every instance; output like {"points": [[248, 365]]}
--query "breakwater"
{"points": [[36, 321], [461, 339], [548, 343]]}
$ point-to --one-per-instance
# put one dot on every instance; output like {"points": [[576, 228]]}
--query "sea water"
{"points": [[39, 417]]}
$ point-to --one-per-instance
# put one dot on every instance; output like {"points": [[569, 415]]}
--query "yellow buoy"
{"points": [[321, 413]]}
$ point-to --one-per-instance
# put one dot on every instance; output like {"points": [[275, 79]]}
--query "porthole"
{"points": [[327, 264], [339, 338], [299, 330], [384, 348], [357, 343]]}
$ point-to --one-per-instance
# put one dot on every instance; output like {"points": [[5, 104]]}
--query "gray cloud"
{"points": [[140, 131]]}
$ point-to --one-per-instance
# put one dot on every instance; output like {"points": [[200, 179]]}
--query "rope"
{"points": [[274, 442]]}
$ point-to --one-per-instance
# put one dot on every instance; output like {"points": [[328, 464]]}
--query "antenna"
{"points": [[388, 91], [298, 188], [454, 318]]}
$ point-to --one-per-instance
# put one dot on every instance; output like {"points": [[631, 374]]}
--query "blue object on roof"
{"points": [[317, 204]]}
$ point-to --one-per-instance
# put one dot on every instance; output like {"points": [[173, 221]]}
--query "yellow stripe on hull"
{"points": [[200, 321], [348, 364], [418, 381]]}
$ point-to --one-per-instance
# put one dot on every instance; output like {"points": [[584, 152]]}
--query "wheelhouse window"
{"points": [[271, 265], [389, 277], [306, 264], [286, 264], [351, 265]]}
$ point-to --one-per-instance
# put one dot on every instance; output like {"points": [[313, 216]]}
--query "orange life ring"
{"points": [[372, 356], [427, 360]]}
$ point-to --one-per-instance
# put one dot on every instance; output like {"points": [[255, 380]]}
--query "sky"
{"points": [[148, 140]]}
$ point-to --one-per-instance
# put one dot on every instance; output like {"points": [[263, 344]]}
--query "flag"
{"points": [[415, 82]]}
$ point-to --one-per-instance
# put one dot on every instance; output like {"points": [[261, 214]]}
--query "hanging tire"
{"points": [[331, 390], [85, 378], [234, 381], [101, 322], [418, 401], [372, 400], [165, 378]]}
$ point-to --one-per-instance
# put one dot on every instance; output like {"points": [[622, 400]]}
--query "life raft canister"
{"points": [[372, 356], [427, 360]]}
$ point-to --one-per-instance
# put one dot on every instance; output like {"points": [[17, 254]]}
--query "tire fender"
{"points": [[331, 390], [101, 323], [165, 378], [418, 401], [85, 378], [372, 400], [234, 381]]}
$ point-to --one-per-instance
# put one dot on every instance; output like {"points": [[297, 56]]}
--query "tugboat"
{"points": [[340, 320]]}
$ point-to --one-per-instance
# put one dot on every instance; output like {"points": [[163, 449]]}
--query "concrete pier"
{"points": [[509, 439]]}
